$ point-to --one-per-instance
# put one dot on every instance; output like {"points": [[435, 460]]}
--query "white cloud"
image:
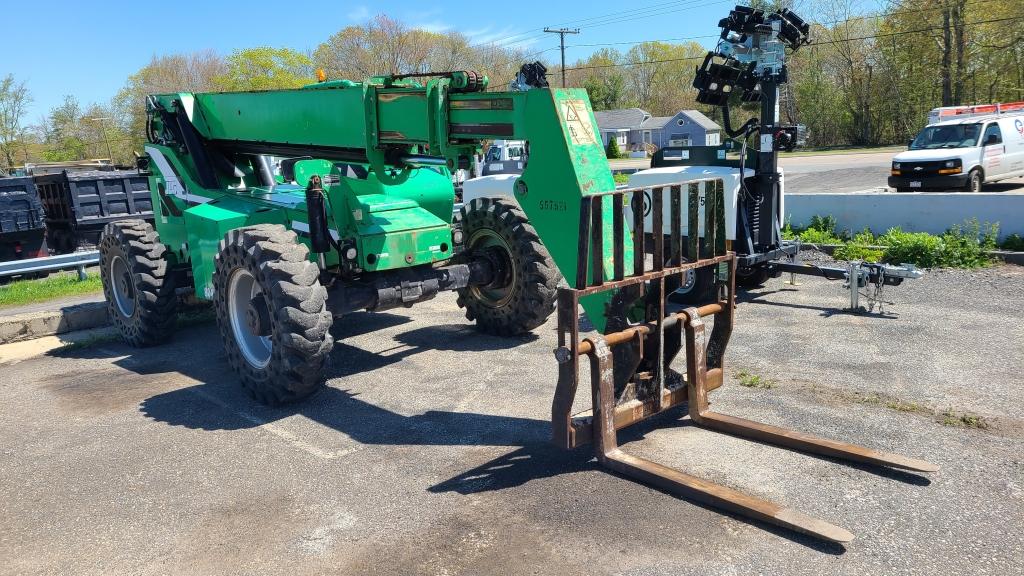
{"points": [[435, 26], [489, 34], [359, 13]]}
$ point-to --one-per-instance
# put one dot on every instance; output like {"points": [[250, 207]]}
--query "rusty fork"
{"points": [[630, 374]]}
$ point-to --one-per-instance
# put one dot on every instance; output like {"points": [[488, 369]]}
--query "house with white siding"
{"points": [[633, 128]]}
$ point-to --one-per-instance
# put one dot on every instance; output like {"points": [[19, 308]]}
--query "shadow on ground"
{"points": [[756, 296], [218, 403]]}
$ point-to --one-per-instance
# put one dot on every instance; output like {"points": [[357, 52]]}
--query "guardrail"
{"points": [[77, 260]]}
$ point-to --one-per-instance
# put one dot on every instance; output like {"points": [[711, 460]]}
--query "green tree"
{"points": [[168, 73], [265, 68], [14, 98], [612, 150], [602, 77], [62, 128], [387, 46]]}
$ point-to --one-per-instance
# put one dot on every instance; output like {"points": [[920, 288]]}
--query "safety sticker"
{"points": [[577, 120]]}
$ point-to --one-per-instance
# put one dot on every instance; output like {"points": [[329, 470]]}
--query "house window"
{"points": [[647, 136], [680, 122]]}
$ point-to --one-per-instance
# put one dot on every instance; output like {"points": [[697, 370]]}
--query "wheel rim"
{"points": [[122, 286], [242, 289], [499, 292], [689, 279]]}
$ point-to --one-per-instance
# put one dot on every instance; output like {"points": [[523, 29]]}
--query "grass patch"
{"points": [[904, 406], [949, 417], [748, 380], [834, 151], [620, 178], [961, 246], [1013, 243], [57, 286]]}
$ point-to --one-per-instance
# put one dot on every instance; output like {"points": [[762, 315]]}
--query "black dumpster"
{"points": [[22, 220], [79, 204]]}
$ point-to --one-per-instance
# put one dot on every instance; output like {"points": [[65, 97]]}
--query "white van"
{"points": [[961, 154]]}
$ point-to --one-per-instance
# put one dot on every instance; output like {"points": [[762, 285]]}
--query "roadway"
{"points": [[838, 172]]}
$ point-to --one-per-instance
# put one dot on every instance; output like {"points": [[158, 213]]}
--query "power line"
{"points": [[905, 32], [901, 33], [532, 33], [829, 23], [606, 19]]}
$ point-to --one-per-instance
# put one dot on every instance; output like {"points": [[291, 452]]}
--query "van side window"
{"points": [[990, 130]]}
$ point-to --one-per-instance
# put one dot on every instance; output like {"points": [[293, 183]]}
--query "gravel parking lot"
{"points": [[428, 452]]}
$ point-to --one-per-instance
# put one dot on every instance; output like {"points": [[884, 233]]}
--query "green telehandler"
{"points": [[290, 208]]}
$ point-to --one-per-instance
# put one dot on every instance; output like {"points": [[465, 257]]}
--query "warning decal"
{"points": [[577, 120]]}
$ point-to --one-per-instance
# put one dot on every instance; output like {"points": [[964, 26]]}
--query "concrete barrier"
{"points": [[47, 323], [932, 212]]}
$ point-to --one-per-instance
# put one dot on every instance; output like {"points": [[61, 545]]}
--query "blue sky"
{"points": [[88, 50]]}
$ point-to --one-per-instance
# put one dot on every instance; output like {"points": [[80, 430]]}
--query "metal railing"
{"points": [[77, 260]]}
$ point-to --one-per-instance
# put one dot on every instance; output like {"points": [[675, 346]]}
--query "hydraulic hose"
{"points": [[742, 129]]}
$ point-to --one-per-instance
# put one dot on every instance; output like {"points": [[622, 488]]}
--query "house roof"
{"points": [[702, 120], [656, 122], [619, 119], [635, 118]]}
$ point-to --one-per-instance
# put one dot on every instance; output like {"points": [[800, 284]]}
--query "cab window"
{"points": [[947, 136], [990, 131]]}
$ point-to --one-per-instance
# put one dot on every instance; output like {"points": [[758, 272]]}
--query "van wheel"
{"points": [[974, 181]]}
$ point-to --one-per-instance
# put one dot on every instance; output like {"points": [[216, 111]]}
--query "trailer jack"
{"points": [[631, 377], [856, 275]]}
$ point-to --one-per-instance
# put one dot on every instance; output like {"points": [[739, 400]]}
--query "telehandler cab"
{"points": [[363, 221]]}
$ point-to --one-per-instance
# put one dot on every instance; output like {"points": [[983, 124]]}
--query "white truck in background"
{"points": [[963, 148]]}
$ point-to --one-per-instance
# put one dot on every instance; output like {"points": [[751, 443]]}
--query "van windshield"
{"points": [[957, 136]]}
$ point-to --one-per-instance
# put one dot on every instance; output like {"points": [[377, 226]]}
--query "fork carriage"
{"points": [[631, 374]]}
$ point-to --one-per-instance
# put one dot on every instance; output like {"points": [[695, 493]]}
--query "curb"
{"points": [[37, 324]]}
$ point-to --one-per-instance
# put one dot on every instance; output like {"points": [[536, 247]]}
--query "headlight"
{"points": [[895, 165], [952, 163]]}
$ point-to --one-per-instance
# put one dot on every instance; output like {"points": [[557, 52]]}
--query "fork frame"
{"points": [[631, 378]]}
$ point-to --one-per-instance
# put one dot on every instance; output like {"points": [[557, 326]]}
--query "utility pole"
{"points": [[561, 35], [103, 127]]}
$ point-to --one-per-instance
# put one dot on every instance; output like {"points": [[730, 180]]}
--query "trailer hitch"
{"points": [[631, 373]]}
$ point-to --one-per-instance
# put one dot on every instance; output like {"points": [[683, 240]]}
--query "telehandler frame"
{"points": [[357, 216]]}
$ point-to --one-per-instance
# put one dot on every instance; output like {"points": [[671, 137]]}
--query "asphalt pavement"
{"points": [[428, 451], [840, 173]]}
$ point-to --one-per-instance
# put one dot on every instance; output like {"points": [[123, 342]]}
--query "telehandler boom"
{"points": [[289, 208]]}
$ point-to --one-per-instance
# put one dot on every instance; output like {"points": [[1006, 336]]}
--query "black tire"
{"points": [[975, 181], [294, 307], [137, 282], [523, 297], [700, 291], [753, 278]]}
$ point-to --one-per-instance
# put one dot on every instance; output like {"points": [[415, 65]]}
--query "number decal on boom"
{"points": [[553, 205]]}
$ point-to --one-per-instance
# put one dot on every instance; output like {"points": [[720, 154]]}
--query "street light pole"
{"points": [[561, 35]]}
